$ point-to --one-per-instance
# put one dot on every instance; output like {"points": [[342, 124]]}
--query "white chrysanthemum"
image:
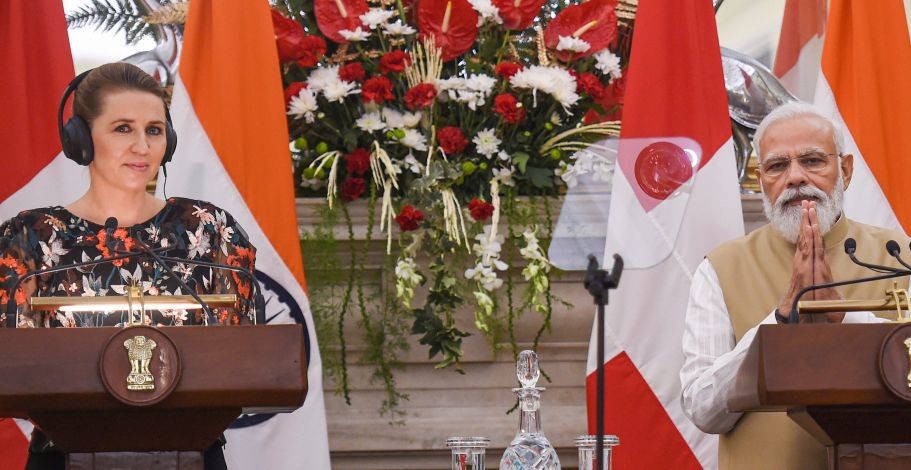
{"points": [[472, 91], [370, 122], [608, 63], [355, 36], [303, 105], [571, 44], [339, 89], [322, 77], [414, 139], [376, 17], [555, 81], [398, 29], [487, 11], [487, 143]]}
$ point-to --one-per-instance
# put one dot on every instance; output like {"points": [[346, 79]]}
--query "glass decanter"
{"points": [[530, 449], [468, 452]]}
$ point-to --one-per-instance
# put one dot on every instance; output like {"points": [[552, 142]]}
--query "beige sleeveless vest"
{"points": [[754, 272]]}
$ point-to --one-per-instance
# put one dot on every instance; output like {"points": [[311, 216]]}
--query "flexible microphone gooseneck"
{"points": [[894, 249], [850, 248]]}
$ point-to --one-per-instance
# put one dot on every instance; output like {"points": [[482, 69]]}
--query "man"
{"points": [[753, 280]]}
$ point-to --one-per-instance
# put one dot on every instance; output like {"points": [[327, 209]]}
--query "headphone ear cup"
{"points": [[170, 142], [76, 140]]}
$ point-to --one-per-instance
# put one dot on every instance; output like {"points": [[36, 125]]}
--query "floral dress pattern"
{"points": [[185, 228]]}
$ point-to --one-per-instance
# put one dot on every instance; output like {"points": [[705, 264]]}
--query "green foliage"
{"points": [[117, 16]]}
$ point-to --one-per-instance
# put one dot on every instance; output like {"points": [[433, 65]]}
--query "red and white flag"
{"points": [[35, 54], [865, 64], [229, 113], [675, 89], [800, 46]]}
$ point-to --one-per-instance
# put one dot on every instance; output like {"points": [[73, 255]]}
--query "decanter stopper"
{"points": [[527, 369]]}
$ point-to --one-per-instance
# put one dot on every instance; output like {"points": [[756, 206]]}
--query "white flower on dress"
{"points": [[375, 17], [52, 250], [357, 35], [414, 139], [370, 122], [303, 105], [203, 215], [555, 81], [398, 29], [608, 63], [571, 44], [199, 242], [487, 143], [225, 233]]}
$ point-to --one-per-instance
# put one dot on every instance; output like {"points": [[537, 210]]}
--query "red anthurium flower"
{"points": [[293, 43], [453, 24], [333, 16], [518, 14], [594, 22]]}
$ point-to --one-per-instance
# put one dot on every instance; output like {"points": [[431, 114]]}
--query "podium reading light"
{"points": [[132, 301]]}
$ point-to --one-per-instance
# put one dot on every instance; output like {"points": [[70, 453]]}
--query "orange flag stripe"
{"points": [[230, 68], [866, 61]]}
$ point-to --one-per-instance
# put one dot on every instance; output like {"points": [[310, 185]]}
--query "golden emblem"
{"points": [[139, 349], [908, 346]]}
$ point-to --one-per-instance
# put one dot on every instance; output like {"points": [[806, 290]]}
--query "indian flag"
{"points": [[800, 46], [228, 111], [675, 93], [866, 60], [35, 53]]}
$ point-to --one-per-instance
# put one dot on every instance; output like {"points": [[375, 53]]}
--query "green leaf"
{"points": [[520, 159], [540, 177]]}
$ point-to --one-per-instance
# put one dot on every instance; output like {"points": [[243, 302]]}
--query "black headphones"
{"points": [[76, 135]]}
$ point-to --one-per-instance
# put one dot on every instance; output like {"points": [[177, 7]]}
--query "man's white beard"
{"points": [[787, 218]]}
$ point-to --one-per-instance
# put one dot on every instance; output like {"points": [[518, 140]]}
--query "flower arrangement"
{"points": [[439, 113]]}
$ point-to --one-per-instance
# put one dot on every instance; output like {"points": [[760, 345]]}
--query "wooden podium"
{"points": [[74, 384], [848, 385]]}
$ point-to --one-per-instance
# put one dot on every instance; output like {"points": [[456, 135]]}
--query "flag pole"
{"points": [[598, 282]]}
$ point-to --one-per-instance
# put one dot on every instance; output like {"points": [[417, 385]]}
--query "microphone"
{"points": [[851, 247], [894, 249]]}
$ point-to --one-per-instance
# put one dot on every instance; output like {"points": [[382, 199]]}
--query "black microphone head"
{"points": [[110, 225], [892, 248], [850, 246]]}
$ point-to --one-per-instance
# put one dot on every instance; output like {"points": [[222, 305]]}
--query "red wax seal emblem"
{"points": [[661, 168]]}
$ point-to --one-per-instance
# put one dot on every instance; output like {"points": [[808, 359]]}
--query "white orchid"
{"points": [[504, 176]]}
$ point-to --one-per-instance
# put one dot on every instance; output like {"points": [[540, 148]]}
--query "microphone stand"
{"points": [[598, 282], [793, 316], [146, 249]]}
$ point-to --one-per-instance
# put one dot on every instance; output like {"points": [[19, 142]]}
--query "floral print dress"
{"points": [[185, 228]]}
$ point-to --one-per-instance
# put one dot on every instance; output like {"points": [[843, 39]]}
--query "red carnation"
{"points": [[507, 69], [292, 91], [509, 108], [351, 72], [420, 96], [312, 48], [591, 85], [394, 61], [352, 188], [410, 218], [358, 161], [452, 141], [611, 101], [480, 210], [377, 90]]}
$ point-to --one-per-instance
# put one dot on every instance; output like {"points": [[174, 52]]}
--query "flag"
{"points": [[800, 46], [35, 53], [675, 88], [228, 112], [866, 59]]}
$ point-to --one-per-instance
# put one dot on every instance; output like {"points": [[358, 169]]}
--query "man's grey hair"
{"points": [[792, 110]]}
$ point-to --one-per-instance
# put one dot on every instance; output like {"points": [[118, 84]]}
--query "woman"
{"points": [[126, 137]]}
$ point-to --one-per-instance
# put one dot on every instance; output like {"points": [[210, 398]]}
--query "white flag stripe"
{"points": [[60, 182]]}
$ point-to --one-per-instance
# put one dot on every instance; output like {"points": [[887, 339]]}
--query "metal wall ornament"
{"points": [[140, 365], [139, 350]]}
